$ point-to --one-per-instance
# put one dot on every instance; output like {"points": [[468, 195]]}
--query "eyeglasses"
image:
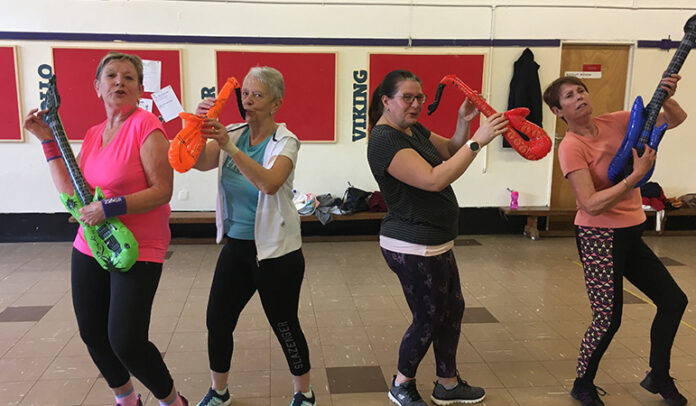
{"points": [[409, 98]]}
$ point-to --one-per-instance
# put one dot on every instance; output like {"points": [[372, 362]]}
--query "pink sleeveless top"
{"points": [[117, 170]]}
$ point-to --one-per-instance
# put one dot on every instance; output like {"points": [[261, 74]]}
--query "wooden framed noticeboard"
{"points": [[309, 105], [431, 69], [10, 109], [75, 70]]}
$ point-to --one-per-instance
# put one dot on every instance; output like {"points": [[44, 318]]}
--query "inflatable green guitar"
{"points": [[112, 244]]}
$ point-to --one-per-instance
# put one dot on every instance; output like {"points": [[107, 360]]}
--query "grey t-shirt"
{"points": [[414, 215]]}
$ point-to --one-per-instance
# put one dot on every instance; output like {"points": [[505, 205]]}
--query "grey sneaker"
{"points": [[462, 393], [301, 400], [406, 394], [212, 398]]}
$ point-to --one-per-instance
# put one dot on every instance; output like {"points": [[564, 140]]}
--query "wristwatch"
{"points": [[473, 146]]}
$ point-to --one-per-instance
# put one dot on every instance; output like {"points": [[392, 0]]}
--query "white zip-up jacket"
{"points": [[277, 224]]}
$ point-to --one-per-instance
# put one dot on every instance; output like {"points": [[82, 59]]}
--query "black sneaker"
{"points": [[212, 398], [301, 400], [587, 395], [666, 389], [406, 394], [462, 393]]}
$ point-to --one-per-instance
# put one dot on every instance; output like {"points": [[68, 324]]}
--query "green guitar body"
{"points": [[112, 244]]}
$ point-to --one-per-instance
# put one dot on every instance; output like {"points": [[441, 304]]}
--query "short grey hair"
{"points": [[270, 77], [118, 56]]}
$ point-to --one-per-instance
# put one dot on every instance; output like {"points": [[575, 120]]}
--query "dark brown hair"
{"points": [[551, 96], [388, 87]]}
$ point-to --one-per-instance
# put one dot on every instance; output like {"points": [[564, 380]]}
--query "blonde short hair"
{"points": [[118, 56]]}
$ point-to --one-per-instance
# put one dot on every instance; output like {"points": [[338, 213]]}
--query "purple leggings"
{"points": [[434, 295]]}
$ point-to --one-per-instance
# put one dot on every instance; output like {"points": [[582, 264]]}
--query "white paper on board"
{"points": [[167, 103], [152, 75], [145, 104]]}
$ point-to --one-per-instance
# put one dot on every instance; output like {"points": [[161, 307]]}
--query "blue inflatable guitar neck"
{"points": [[641, 126]]}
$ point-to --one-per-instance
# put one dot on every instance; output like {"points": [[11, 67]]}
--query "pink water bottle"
{"points": [[514, 195]]}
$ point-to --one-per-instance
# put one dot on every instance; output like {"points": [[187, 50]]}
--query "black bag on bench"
{"points": [[355, 200]]}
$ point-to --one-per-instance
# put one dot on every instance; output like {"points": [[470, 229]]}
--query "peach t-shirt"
{"points": [[595, 154], [117, 170]]}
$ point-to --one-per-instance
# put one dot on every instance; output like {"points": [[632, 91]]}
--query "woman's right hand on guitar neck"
{"points": [[33, 122], [641, 165]]}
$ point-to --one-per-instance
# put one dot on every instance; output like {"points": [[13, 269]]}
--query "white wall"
{"points": [[322, 168]]}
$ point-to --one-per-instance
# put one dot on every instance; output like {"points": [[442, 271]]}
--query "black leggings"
{"points": [[237, 276], [113, 315], [434, 295], [607, 256]]}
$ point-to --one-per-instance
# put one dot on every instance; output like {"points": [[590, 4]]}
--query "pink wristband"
{"points": [[51, 150]]}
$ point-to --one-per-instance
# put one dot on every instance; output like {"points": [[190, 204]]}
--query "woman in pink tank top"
{"points": [[126, 156]]}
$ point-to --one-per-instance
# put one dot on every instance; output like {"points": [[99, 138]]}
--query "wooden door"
{"points": [[608, 94]]}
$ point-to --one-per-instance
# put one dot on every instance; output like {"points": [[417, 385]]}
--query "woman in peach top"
{"points": [[608, 229]]}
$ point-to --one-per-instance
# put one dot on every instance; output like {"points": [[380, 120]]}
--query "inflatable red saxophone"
{"points": [[539, 143], [186, 147]]}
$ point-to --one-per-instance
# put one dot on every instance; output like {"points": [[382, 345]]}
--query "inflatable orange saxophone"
{"points": [[539, 143], [186, 147]]}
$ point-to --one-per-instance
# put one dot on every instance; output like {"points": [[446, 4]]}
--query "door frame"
{"points": [[632, 45]]}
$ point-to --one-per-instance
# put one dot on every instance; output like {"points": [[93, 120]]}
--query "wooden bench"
{"points": [[531, 229], [683, 212], [208, 217]]}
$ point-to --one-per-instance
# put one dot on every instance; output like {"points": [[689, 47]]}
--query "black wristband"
{"points": [[114, 206]]}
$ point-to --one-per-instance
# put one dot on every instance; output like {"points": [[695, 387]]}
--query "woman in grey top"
{"points": [[414, 168]]}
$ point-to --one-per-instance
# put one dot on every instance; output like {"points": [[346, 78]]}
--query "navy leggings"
{"points": [[113, 315], [434, 295], [607, 256], [237, 277]]}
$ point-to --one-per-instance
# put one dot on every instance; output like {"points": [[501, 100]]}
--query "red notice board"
{"points": [[80, 108], [431, 69], [309, 105], [10, 119]]}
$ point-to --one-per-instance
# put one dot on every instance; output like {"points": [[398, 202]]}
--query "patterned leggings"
{"points": [[434, 295], [608, 254]]}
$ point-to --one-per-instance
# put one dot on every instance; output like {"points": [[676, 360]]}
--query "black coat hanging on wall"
{"points": [[525, 89]]}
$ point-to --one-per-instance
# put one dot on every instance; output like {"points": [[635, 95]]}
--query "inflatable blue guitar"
{"points": [[112, 244], [641, 125]]}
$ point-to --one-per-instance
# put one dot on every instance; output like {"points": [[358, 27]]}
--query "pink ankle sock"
{"points": [[177, 402], [130, 399]]}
